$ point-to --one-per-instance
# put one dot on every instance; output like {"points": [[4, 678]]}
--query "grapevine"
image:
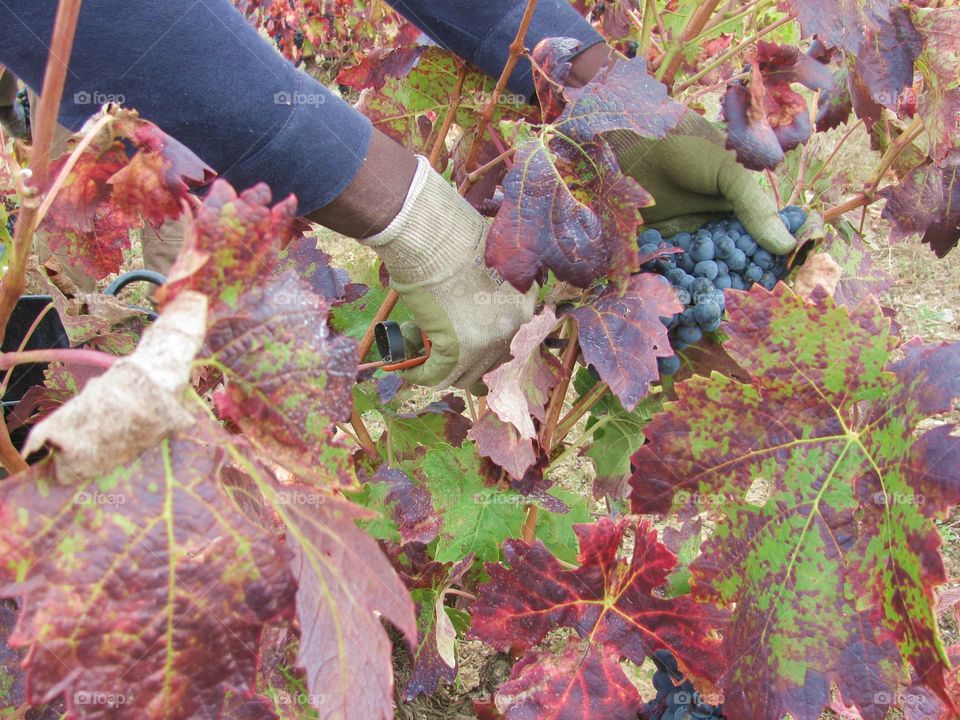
{"points": [[232, 510]]}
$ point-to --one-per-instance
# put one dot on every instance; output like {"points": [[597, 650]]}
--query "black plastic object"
{"points": [[389, 341], [150, 276]]}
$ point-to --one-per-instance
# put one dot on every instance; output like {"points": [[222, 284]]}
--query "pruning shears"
{"points": [[394, 347]]}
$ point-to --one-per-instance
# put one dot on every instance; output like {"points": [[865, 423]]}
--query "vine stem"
{"points": [[833, 154], [486, 112], [732, 52], [730, 16], [869, 194], [529, 531], [13, 283], [583, 406], [472, 177], [455, 97], [559, 394], [78, 356], [673, 56]]}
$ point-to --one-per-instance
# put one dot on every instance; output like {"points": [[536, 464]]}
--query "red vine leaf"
{"points": [[503, 444], [313, 265], [861, 276], [611, 602], [123, 572], [233, 242], [345, 584], [568, 209], [886, 56], [551, 65], [767, 117], [288, 378], [825, 496], [939, 103], [378, 65], [412, 506], [621, 334], [927, 202], [838, 23], [520, 388], [623, 96], [586, 682]]}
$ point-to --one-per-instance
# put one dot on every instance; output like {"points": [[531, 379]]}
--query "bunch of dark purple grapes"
{"points": [[676, 698], [718, 256]]}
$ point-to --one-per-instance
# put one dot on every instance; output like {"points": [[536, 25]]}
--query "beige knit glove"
{"points": [[434, 251]]}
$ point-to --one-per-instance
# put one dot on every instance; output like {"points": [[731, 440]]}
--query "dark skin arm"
{"points": [[376, 194]]}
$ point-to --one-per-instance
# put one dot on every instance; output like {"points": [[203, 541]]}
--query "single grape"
{"points": [[722, 268], [702, 249], [648, 248], [689, 334], [706, 312], [711, 326], [669, 365], [734, 234], [651, 236], [768, 280], [747, 244], [718, 298], [677, 277], [737, 260], [682, 240], [762, 258], [723, 245], [706, 269], [723, 282], [687, 318], [753, 272], [700, 286], [737, 283], [685, 262], [683, 296]]}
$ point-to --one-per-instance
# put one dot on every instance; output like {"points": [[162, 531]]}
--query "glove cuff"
{"points": [[433, 235]]}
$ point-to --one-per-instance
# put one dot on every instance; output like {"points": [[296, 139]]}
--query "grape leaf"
{"points": [[124, 571], [410, 109], [616, 436], [105, 192], [885, 59], [838, 23], [927, 202], [345, 584], [611, 602], [551, 65], [11, 676], [313, 265], [567, 207], [157, 179], [288, 379], [378, 65], [477, 517], [767, 117], [233, 242], [621, 334], [861, 276], [440, 423], [586, 682], [412, 507], [434, 660], [520, 387], [825, 542], [503, 444], [939, 103]]}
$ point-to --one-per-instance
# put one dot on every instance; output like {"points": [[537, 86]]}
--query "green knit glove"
{"points": [[693, 178], [434, 250]]}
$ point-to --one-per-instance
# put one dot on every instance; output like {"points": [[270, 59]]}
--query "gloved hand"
{"points": [[692, 177], [434, 251]]}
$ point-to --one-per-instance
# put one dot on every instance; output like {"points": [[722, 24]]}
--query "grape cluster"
{"points": [[676, 699], [718, 256]]}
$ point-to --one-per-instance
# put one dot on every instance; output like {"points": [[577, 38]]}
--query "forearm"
{"points": [[481, 32], [198, 70]]}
